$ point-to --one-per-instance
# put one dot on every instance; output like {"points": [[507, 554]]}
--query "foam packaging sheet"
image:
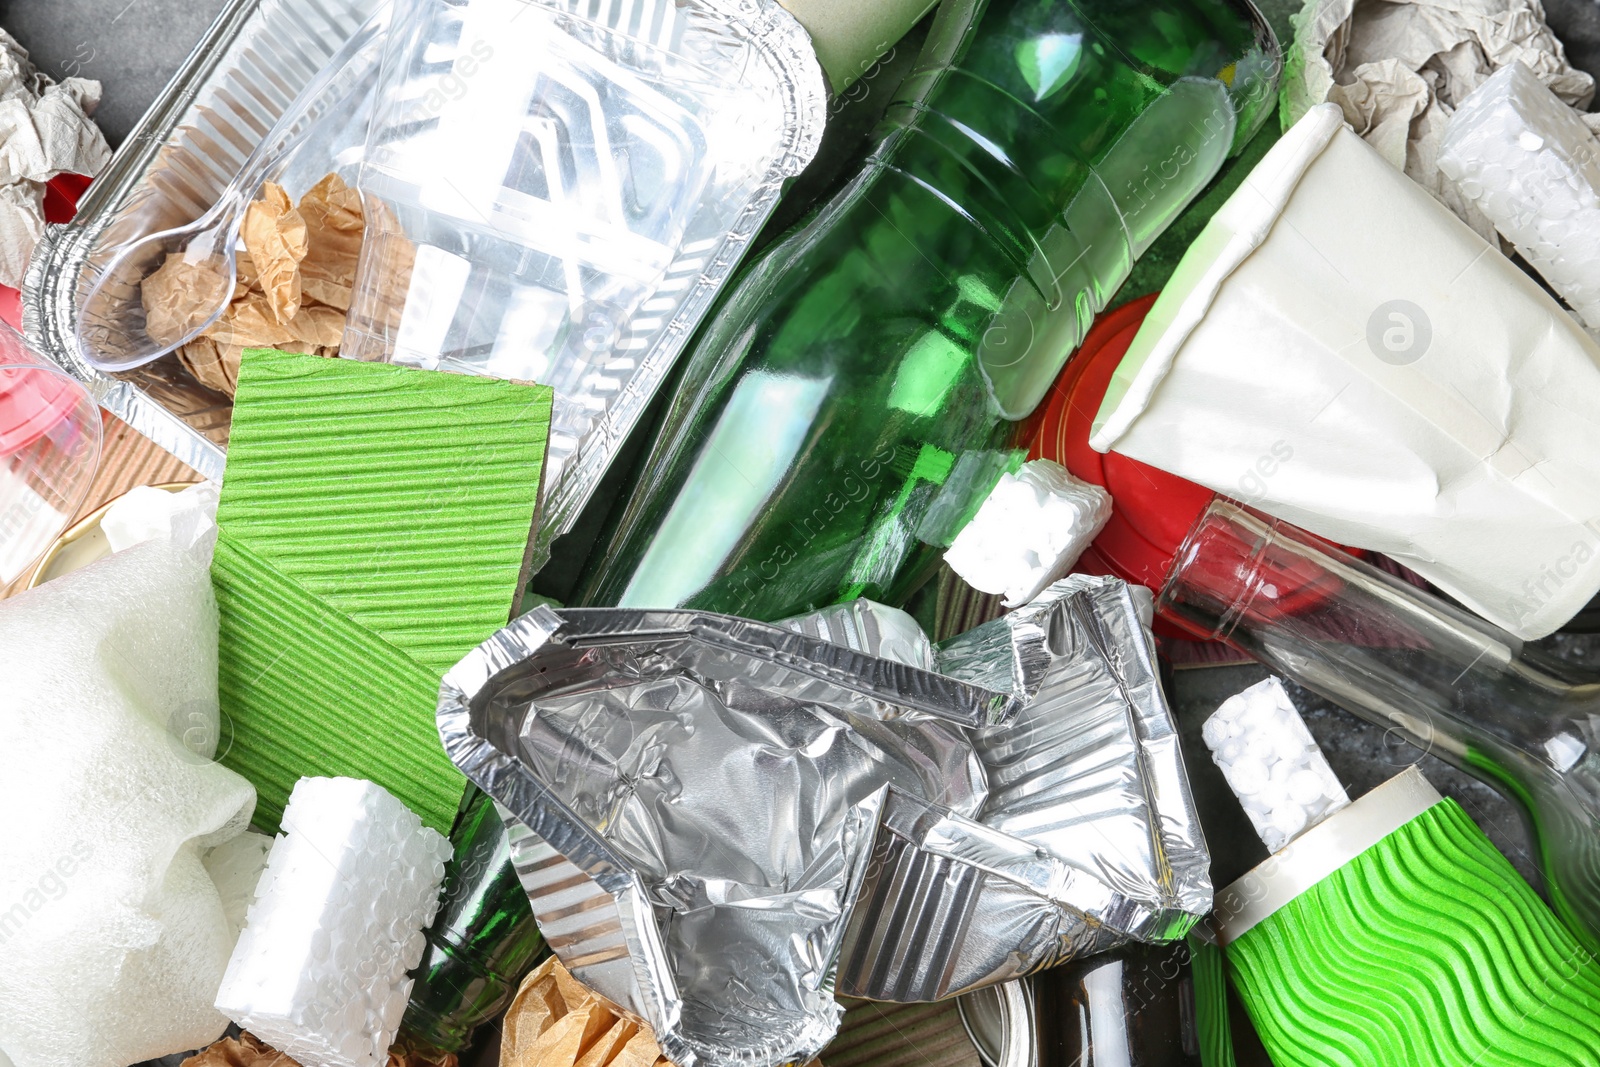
{"points": [[113, 935], [1339, 351], [320, 970]]}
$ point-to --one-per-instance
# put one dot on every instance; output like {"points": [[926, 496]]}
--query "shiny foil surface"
{"points": [[720, 821]]}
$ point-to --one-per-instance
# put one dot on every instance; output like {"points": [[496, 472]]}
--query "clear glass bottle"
{"points": [[1397, 656], [836, 409]]}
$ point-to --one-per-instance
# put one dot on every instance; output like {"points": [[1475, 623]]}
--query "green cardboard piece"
{"points": [[374, 527]]}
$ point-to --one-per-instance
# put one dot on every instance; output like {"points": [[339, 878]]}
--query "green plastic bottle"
{"points": [[847, 406]]}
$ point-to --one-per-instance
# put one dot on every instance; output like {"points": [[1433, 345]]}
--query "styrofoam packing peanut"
{"points": [[1272, 764]]}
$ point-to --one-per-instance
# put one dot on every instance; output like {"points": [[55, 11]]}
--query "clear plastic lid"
{"points": [[49, 452], [556, 195]]}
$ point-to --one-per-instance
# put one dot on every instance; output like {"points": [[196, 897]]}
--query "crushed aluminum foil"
{"points": [[711, 815], [867, 626], [1089, 773], [708, 789]]}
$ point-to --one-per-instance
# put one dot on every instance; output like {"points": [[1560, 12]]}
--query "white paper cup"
{"points": [[1338, 350]]}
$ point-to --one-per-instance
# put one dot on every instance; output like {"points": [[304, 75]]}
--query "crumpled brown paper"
{"points": [[291, 292], [274, 235], [1399, 68], [556, 1021], [250, 1051], [45, 130]]}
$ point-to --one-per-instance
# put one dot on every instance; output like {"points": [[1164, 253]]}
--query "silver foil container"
{"points": [[699, 795], [719, 822], [240, 78], [1087, 778]]}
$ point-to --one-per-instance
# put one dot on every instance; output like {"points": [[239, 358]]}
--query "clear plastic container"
{"points": [[49, 452], [555, 194]]}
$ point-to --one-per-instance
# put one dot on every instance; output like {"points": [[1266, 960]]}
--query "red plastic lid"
{"points": [[1152, 511], [33, 401]]}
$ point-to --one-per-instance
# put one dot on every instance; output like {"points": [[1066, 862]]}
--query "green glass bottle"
{"points": [[842, 411], [482, 942]]}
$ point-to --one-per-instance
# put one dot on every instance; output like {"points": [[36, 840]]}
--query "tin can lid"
{"points": [[999, 1020]]}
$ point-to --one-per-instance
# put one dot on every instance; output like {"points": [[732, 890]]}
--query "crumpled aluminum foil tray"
{"points": [[719, 822], [247, 72], [1088, 773], [240, 77]]}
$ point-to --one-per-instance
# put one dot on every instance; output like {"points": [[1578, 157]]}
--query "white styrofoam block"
{"points": [[113, 937], [145, 512], [320, 970], [1272, 764], [1029, 531], [1530, 164]]}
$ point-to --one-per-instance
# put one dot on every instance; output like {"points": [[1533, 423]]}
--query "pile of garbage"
{"points": [[675, 566]]}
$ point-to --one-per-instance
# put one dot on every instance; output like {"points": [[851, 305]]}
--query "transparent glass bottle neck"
{"points": [[1404, 659]]}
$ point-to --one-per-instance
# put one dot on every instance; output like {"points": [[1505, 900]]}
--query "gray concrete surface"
{"points": [[131, 46]]}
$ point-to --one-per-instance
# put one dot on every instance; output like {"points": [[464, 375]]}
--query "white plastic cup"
{"points": [[1338, 350]]}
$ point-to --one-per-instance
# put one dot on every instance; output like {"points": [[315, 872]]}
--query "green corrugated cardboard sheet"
{"points": [[374, 528]]}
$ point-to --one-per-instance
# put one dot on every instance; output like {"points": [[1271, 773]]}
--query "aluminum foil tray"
{"points": [[226, 96], [720, 823]]}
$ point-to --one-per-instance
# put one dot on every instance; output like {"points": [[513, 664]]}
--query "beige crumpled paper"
{"points": [[45, 130], [291, 292], [248, 1050], [557, 1021], [1398, 69]]}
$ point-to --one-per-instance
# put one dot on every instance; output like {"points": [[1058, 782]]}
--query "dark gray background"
{"points": [[133, 46]]}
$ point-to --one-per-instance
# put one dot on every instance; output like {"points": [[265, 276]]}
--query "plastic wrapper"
{"points": [[115, 933], [574, 188], [713, 814]]}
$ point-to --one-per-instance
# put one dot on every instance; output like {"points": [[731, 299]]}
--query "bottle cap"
{"points": [[1152, 510]]}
